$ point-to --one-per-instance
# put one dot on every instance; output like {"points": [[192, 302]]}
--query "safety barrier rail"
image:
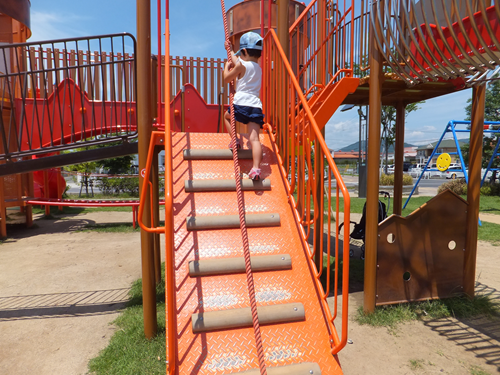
{"points": [[322, 42], [58, 94], [203, 73], [297, 140], [432, 40]]}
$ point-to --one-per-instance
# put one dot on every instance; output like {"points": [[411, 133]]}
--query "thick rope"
{"points": [[241, 211]]}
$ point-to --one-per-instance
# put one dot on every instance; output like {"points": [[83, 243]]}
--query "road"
{"points": [[432, 183], [350, 181]]}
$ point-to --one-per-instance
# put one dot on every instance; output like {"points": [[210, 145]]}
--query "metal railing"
{"points": [[296, 140], [433, 40], [57, 95], [322, 42], [205, 74]]}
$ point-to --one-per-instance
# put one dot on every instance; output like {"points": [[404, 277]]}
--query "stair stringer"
{"points": [[331, 97]]}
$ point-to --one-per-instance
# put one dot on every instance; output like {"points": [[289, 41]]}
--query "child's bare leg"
{"points": [[254, 130], [227, 121]]}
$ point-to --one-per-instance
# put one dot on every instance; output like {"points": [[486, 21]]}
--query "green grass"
{"points": [[416, 364], [490, 205], [129, 352], [489, 232], [391, 316], [476, 370], [111, 228], [79, 210], [101, 196], [356, 272], [358, 203], [486, 204]]}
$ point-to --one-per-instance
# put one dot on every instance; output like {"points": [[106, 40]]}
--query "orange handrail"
{"points": [[293, 135]]}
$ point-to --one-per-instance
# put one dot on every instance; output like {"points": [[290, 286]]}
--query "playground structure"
{"points": [[490, 127], [390, 52]]}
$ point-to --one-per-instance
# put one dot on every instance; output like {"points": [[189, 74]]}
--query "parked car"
{"points": [[454, 173], [417, 167], [488, 175], [434, 172]]}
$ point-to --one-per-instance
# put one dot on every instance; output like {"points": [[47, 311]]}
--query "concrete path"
{"points": [[490, 218]]}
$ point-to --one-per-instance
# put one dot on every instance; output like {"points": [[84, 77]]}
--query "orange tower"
{"points": [[14, 28]]}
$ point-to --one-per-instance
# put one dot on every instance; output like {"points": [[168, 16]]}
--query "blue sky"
{"points": [[197, 30]]}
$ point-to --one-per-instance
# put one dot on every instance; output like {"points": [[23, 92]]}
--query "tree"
{"points": [[491, 113], [388, 116], [117, 165], [388, 121], [113, 165]]}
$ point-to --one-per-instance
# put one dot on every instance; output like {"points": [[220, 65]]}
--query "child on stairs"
{"points": [[247, 105]]}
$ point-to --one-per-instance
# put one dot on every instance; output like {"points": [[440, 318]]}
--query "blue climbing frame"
{"points": [[493, 127]]}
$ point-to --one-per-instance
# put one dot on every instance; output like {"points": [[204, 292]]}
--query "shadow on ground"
{"points": [[356, 264], [479, 335], [56, 305], [46, 226]]}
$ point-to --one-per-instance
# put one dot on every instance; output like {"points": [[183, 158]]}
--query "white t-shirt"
{"points": [[248, 87]]}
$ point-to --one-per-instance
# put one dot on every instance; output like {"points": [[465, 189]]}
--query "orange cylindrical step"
{"points": [[232, 221], [219, 266], [306, 368], [225, 185], [240, 318], [226, 154]]}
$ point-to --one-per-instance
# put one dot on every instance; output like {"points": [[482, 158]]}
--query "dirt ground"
{"points": [[60, 290]]}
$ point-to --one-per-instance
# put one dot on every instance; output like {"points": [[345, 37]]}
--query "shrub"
{"points": [[128, 186], [458, 186], [117, 186], [388, 180], [485, 190], [489, 189]]}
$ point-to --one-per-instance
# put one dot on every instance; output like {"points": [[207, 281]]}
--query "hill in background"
{"points": [[355, 147]]}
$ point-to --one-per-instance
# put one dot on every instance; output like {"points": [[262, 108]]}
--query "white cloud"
{"points": [[54, 25], [339, 134], [342, 126]]}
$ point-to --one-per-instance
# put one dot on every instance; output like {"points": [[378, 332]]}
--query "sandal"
{"points": [[254, 174]]}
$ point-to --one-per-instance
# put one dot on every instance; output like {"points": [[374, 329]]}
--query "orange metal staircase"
{"points": [[209, 326], [232, 350], [326, 100]]}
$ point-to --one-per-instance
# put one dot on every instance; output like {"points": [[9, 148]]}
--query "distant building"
{"points": [[446, 146], [409, 153], [345, 155]]}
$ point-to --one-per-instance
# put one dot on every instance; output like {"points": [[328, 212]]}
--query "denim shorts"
{"points": [[246, 114]]}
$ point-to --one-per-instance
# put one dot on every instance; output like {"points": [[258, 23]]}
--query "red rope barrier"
{"points": [[241, 212]]}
